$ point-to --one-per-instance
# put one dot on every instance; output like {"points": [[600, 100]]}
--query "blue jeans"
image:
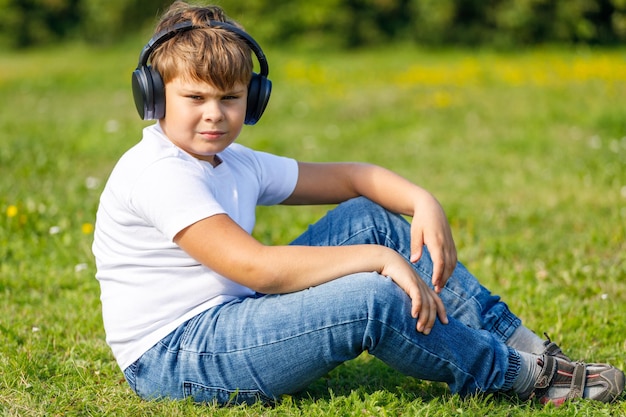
{"points": [[257, 348]]}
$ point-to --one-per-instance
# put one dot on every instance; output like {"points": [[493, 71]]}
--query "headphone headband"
{"points": [[169, 33]]}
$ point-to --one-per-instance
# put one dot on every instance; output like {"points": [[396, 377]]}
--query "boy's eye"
{"points": [[230, 97]]}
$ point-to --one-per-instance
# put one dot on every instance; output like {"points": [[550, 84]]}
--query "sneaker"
{"points": [[561, 380]]}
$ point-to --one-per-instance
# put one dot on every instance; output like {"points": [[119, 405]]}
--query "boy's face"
{"points": [[201, 119]]}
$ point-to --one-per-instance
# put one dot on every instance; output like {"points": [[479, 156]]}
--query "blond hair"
{"points": [[209, 54]]}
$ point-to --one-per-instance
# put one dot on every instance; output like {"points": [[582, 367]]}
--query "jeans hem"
{"points": [[512, 372]]}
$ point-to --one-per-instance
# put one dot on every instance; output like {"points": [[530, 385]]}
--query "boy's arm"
{"points": [[320, 183], [219, 243]]}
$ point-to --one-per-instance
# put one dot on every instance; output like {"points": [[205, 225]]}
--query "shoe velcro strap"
{"points": [[547, 372], [579, 378], [552, 349]]}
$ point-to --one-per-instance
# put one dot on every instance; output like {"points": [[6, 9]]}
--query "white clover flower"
{"points": [[92, 182], [112, 126]]}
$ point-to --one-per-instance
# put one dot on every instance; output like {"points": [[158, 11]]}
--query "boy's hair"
{"points": [[209, 54]]}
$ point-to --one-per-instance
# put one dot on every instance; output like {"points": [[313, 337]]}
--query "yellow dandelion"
{"points": [[11, 211], [442, 99], [87, 228]]}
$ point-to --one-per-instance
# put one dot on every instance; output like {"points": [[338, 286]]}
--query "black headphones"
{"points": [[149, 91]]}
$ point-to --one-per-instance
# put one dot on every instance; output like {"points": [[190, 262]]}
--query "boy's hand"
{"points": [[430, 227], [426, 305]]}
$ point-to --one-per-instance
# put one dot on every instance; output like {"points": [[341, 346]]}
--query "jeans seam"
{"points": [[257, 392], [389, 242], [471, 299], [431, 353], [273, 342], [190, 325]]}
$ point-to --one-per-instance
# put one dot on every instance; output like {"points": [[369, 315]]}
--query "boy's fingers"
{"points": [[432, 308], [416, 304], [450, 266], [444, 263], [416, 249], [438, 268], [429, 319], [441, 311]]}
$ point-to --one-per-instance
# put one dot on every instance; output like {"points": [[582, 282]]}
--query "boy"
{"points": [[194, 306]]}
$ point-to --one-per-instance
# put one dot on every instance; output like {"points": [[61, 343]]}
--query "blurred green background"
{"points": [[342, 23]]}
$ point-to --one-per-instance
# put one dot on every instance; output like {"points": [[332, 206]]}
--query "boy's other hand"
{"points": [[430, 227]]}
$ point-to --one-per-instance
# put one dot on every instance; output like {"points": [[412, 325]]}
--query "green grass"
{"points": [[526, 151]]}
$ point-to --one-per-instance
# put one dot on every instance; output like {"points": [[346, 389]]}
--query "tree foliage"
{"points": [[342, 23], [38, 22]]}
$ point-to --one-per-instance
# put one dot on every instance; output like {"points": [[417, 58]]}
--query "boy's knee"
{"points": [[366, 212], [361, 205], [381, 293]]}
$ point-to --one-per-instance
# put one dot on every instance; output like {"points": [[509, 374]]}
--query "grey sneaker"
{"points": [[569, 380]]}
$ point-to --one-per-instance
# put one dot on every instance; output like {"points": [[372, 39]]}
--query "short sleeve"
{"points": [[172, 194], [279, 176]]}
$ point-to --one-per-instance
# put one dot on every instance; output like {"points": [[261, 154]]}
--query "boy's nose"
{"points": [[213, 111]]}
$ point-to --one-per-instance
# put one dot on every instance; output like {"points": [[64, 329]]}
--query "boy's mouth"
{"points": [[212, 134]]}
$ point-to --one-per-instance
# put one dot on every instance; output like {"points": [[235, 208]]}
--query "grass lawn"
{"points": [[525, 150]]}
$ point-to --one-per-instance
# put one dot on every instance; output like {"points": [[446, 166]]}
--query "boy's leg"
{"points": [[360, 221], [260, 348]]}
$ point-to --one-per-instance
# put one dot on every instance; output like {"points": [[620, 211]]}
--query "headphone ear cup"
{"points": [[158, 94], [148, 93], [259, 91], [140, 91]]}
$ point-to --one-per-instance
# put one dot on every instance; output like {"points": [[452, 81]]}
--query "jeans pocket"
{"points": [[203, 394]]}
